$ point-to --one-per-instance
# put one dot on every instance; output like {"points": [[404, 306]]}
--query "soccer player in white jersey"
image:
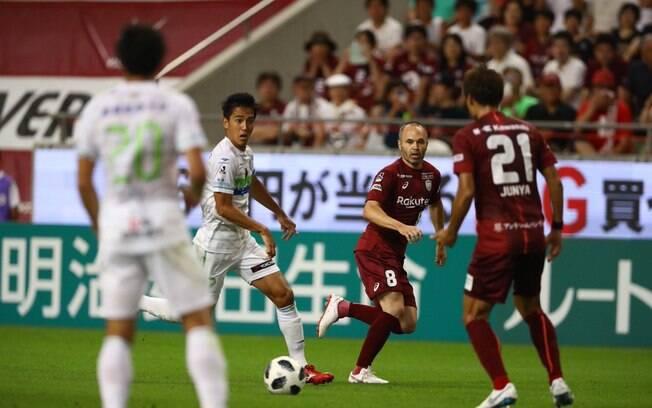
{"points": [[137, 129], [224, 241]]}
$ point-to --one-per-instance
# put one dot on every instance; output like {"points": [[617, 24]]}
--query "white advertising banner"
{"points": [[327, 193], [28, 106]]}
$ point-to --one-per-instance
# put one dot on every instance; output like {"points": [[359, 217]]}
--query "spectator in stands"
{"points": [[568, 68], [645, 118], [453, 59], [9, 198], [553, 108], [512, 19], [388, 30], [442, 102], [345, 134], [602, 106], [473, 35], [627, 34], [364, 65], [637, 82], [605, 56], [321, 60], [537, 48], [305, 105], [493, 14], [268, 88], [423, 14], [581, 43], [604, 14], [646, 14], [500, 49], [416, 63], [397, 105], [515, 102]]}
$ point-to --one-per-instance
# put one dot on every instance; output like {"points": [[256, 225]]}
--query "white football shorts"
{"points": [[251, 263], [175, 269]]}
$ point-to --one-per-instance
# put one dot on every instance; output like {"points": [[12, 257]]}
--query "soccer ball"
{"points": [[284, 375]]}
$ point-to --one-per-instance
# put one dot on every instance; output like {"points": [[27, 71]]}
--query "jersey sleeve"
{"points": [[223, 175], [85, 132], [189, 133], [382, 187], [462, 153], [545, 156]]}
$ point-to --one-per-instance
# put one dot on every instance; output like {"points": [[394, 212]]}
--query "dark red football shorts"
{"points": [[380, 274], [491, 275]]}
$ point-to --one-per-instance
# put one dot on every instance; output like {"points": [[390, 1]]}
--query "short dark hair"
{"points": [[545, 13], [430, 2], [238, 100], [605, 38], [371, 37], [414, 28], [385, 3], [470, 4], [140, 49], [573, 12], [564, 35], [631, 7], [269, 76], [484, 85]]}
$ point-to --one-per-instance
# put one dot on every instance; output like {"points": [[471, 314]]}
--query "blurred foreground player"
{"points": [[496, 159], [224, 242], [398, 195], [137, 129]]}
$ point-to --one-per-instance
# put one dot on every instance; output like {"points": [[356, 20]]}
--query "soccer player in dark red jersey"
{"points": [[496, 158], [398, 195]]}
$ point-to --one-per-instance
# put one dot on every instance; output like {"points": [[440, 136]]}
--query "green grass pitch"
{"points": [[49, 367]]}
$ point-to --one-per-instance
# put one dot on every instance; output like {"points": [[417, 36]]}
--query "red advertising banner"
{"points": [[18, 165]]}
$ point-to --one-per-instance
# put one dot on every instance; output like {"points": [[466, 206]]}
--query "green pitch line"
{"points": [[56, 368]]}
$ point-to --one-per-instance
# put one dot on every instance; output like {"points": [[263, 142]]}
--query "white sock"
{"points": [[158, 307], [207, 367], [290, 324], [114, 372]]}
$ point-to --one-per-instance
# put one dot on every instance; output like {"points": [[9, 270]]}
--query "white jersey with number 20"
{"points": [[137, 130]]}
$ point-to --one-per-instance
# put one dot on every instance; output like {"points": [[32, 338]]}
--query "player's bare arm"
{"points": [[375, 214], [197, 177], [259, 193], [225, 208], [553, 240], [461, 205], [437, 217], [87, 189]]}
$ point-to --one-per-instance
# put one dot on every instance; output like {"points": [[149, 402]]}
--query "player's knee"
{"points": [[474, 315], [283, 297], [408, 326]]}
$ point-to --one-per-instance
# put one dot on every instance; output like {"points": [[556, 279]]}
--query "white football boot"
{"points": [[329, 316], [366, 376], [501, 398], [561, 393]]}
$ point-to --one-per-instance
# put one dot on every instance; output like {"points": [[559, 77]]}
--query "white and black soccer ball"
{"points": [[284, 375]]}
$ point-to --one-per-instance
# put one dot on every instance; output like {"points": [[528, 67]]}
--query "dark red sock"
{"points": [[377, 335], [364, 313], [487, 349], [544, 338]]}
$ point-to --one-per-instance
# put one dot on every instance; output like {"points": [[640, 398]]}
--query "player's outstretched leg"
{"points": [[159, 308], [337, 307], [278, 291], [544, 338]]}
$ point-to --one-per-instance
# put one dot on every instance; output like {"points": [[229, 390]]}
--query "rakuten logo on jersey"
{"points": [[411, 202]]}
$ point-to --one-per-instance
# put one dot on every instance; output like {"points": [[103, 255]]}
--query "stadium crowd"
{"points": [[561, 61]]}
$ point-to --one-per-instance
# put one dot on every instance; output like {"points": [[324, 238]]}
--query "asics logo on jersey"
{"points": [[376, 286], [411, 202], [405, 185]]}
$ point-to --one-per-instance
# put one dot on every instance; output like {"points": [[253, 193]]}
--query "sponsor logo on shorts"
{"points": [[376, 286], [262, 266], [468, 285]]}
